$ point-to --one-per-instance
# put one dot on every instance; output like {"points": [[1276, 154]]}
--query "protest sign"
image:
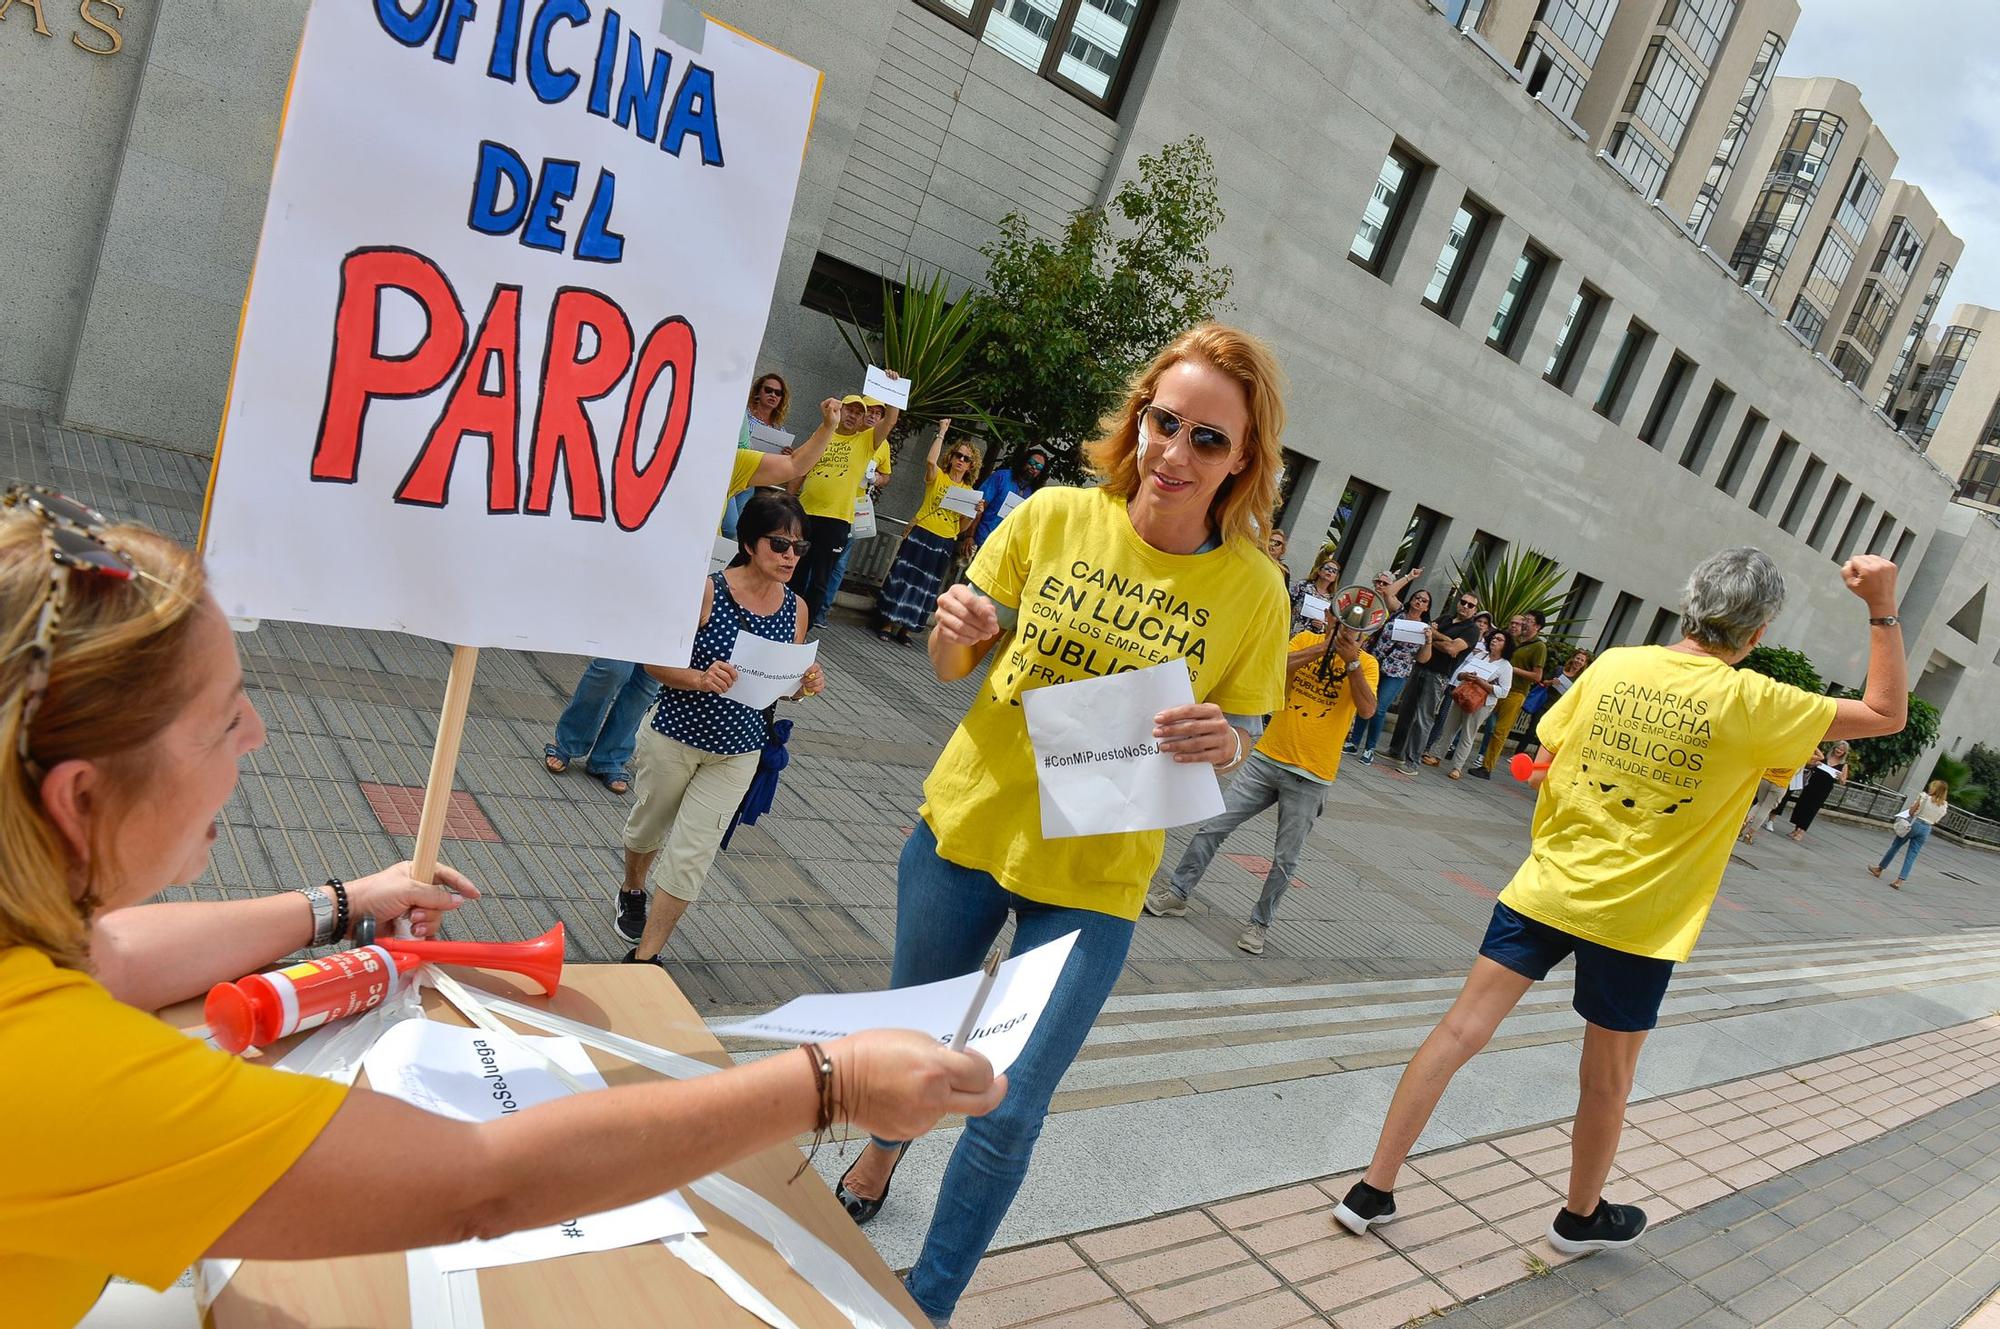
{"points": [[1313, 607], [514, 272], [1097, 763], [1000, 1028], [1008, 504], [1409, 631], [469, 1075], [959, 499], [894, 391], [767, 670], [769, 438]]}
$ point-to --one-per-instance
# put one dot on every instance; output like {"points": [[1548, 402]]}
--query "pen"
{"points": [[988, 972]]}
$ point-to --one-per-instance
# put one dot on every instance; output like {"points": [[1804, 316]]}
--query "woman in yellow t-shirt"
{"points": [[134, 1149], [923, 561], [1163, 560]]}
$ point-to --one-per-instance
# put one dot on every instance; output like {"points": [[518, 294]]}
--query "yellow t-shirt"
{"points": [[831, 486], [743, 469], [1658, 753], [932, 515], [1093, 599], [130, 1146], [1318, 714]]}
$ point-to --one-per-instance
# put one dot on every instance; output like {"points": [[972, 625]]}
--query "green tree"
{"points": [[1879, 758], [1785, 665], [1985, 765], [1966, 792], [1065, 322]]}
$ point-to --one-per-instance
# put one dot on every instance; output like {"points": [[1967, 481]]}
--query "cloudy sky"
{"points": [[1929, 72]]}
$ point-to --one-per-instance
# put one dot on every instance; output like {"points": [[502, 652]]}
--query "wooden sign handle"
{"points": [[444, 765]]}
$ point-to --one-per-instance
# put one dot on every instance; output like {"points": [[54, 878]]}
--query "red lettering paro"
{"points": [[494, 416], [569, 379], [636, 489], [360, 373]]}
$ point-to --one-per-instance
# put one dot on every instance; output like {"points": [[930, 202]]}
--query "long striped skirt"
{"points": [[910, 591]]}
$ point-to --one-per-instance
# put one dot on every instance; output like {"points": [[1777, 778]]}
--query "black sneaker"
{"points": [[1612, 1226], [1364, 1207], [632, 957], [631, 920], [1481, 773]]}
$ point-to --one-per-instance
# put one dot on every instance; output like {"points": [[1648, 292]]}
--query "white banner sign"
{"points": [[999, 1031], [514, 273], [878, 384], [1409, 631], [767, 670], [1100, 768], [1009, 503], [769, 438], [959, 499], [470, 1076], [1314, 607]]}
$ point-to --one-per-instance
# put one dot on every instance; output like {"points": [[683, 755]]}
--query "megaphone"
{"points": [[1360, 609], [539, 959]]}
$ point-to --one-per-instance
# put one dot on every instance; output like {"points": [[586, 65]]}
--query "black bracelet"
{"points": [[340, 915]]}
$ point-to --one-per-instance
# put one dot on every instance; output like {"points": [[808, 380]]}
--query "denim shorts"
{"points": [[1615, 990]]}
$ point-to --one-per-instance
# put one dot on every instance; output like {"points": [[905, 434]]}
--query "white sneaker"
{"points": [[1252, 940], [1161, 902]]}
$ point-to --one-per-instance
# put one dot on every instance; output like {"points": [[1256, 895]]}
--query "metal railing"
{"points": [[1878, 804]]}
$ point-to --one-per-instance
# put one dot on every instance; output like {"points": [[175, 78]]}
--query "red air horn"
{"points": [[1524, 767], [539, 959]]}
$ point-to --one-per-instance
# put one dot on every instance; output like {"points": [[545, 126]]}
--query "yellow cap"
{"points": [[854, 399]]}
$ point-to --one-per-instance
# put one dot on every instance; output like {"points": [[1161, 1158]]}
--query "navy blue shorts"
{"points": [[1615, 990]]}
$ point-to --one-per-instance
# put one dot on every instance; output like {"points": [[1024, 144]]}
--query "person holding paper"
{"points": [[1481, 677], [829, 490], [1163, 560], [1398, 659], [1015, 483], [123, 723], [1450, 640], [923, 561], [697, 756], [1331, 683], [1322, 583], [1652, 756], [770, 400], [1538, 705], [1528, 662], [873, 481]]}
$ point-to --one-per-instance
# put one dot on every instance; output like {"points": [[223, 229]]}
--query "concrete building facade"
{"points": [[1597, 385]]}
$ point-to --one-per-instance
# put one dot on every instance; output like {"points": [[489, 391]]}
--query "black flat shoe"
{"points": [[858, 1209]]}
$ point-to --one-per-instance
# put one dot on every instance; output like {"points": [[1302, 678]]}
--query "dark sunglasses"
{"points": [[773, 389], [74, 542], [1210, 444], [783, 545]]}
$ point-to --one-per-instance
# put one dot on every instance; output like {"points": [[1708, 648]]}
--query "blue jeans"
{"points": [[732, 512], [947, 918], [1367, 733], [601, 721], [837, 574], [1257, 786], [1920, 831]]}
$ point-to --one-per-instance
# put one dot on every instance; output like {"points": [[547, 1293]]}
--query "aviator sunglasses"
{"points": [[784, 545], [1211, 445]]}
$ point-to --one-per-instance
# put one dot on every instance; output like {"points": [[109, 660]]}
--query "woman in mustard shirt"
{"points": [[1164, 559], [923, 561], [122, 722]]}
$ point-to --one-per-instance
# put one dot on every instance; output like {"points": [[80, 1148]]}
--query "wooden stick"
{"points": [[444, 762]]}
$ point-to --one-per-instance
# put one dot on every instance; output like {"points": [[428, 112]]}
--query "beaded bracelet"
{"points": [[341, 916], [822, 1067]]}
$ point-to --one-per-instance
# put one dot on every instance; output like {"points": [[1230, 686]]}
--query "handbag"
{"points": [[1471, 694], [864, 519], [1902, 825]]}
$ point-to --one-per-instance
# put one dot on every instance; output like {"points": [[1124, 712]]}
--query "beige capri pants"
{"points": [[683, 800]]}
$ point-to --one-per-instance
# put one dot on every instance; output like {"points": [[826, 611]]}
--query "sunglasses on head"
{"points": [[1210, 444], [784, 545], [74, 541]]}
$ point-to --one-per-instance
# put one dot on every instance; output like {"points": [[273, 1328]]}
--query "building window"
{"points": [[1578, 602], [1849, 537], [841, 290], [1551, 76], [1667, 401], [1901, 558], [1896, 260], [1829, 511], [1851, 363], [1623, 611], [1662, 91], [1893, 385], [1455, 258], [1384, 211], [1883, 530], [1701, 439], [1483, 551], [1351, 520], [1611, 398], [1576, 329], [1666, 628], [1773, 230], [1709, 197], [1509, 318], [1795, 509], [1858, 202], [1868, 322], [1737, 464], [1980, 481], [1579, 24], [1807, 320], [1084, 47], [1643, 164], [1939, 381], [1419, 539], [1701, 24], [1774, 472], [1830, 267], [1461, 14]]}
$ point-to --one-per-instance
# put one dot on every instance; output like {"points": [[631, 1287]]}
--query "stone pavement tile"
{"points": [[1424, 1228], [1023, 1265], [1022, 1302], [1682, 1305], [1103, 1315], [1453, 1162], [1454, 1251], [1271, 1204], [1180, 1300], [1417, 1303], [1274, 1310], [1362, 1280], [1529, 1195], [1482, 1276], [1484, 1180], [1281, 1234], [1316, 1259], [1118, 1243], [1172, 1266], [1694, 1194]]}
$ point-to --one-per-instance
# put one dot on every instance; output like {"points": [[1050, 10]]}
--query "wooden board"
{"points": [[639, 1284]]}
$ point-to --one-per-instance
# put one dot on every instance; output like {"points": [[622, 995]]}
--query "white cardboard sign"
{"points": [[767, 670], [878, 384], [1314, 607], [1409, 631], [769, 438], [514, 273], [1098, 765], [959, 499], [1005, 1019]]}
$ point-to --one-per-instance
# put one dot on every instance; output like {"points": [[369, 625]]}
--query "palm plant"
{"points": [[1965, 792], [927, 339], [1517, 582]]}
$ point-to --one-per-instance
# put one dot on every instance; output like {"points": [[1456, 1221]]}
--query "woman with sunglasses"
{"points": [[1163, 560], [699, 753], [770, 399], [923, 561], [123, 720], [1324, 582], [1398, 660]]}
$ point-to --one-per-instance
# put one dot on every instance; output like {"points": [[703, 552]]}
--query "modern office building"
{"points": [[1512, 317], [1952, 406]]}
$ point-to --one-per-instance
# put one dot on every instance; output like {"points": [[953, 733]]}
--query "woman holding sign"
{"points": [[699, 753], [923, 560], [1163, 560], [123, 722]]}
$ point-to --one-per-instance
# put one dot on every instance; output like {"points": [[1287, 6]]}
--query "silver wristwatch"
{"points": [[321, 900]]}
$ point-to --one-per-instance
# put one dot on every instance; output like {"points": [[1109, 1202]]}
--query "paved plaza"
{"points": [[1216, 1081]]}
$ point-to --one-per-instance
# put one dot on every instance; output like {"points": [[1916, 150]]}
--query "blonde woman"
{"points": [[1169, 544], [1926, 810], [123, 721], [1323, 581], [923, 561]]}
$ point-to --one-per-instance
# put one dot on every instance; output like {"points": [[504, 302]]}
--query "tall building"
{"points": [[1952, 406], [1510, 295]]}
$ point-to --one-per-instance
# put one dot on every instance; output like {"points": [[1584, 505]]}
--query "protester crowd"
{"points": [[118, 661]]}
